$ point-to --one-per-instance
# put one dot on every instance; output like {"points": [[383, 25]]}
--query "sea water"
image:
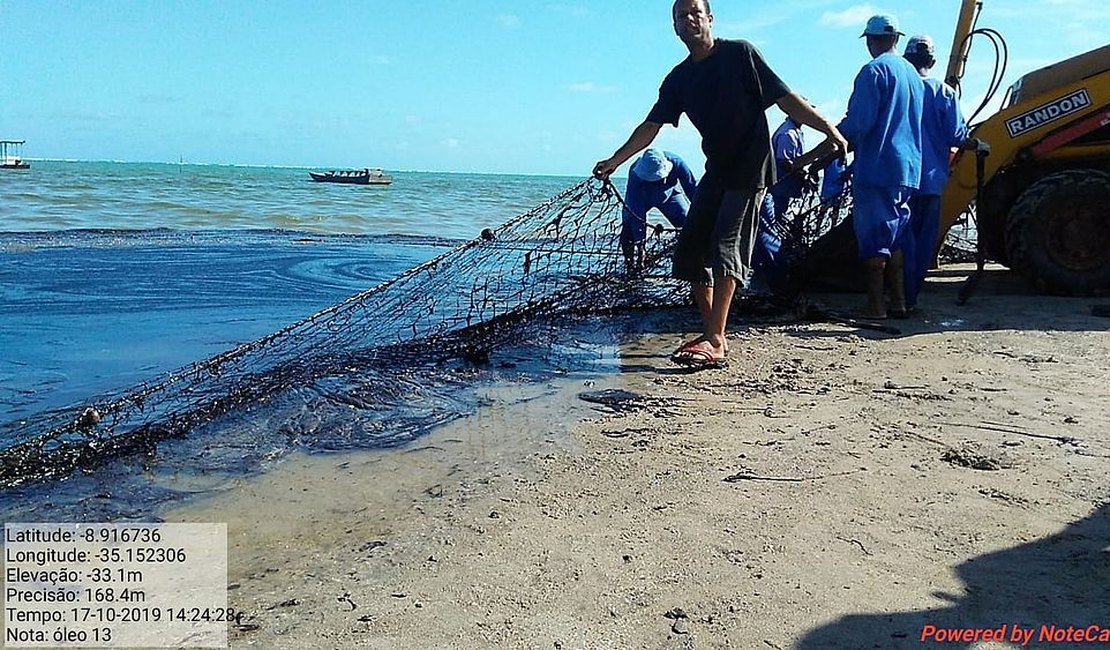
{"points": [[116, 273], [54, 196]]}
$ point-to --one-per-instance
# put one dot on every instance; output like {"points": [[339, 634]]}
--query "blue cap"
{"points": [[882, 25], [652, 166]]}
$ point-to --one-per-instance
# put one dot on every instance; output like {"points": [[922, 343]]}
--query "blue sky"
{"points": [[532, 86]]}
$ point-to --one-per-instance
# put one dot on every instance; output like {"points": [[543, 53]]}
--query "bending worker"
{"points": [[660, 180]]}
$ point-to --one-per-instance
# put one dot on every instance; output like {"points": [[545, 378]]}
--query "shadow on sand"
{"points": [[1041, 587], [1001, 301]]}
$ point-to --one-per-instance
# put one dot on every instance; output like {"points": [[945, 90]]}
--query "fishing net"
{"points": [[562, 257], [814, 235], [960, 244], [818, 243]]}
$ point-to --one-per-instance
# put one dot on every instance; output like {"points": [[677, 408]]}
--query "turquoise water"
{"points": [[140, 196]]}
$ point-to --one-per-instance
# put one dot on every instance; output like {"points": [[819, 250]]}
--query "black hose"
{"points": [[1001, 60]]}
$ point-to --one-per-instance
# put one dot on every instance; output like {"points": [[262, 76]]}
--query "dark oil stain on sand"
{"points": [[86, 313]]}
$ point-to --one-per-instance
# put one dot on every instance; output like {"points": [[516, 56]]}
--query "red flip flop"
{"points": [[695, 357]]}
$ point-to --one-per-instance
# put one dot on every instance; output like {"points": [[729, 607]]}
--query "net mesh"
{"points": [[959, 246], [812, 251], [560, 258]]}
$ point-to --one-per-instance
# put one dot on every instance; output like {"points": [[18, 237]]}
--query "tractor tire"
{"points": [[1058, 233]]}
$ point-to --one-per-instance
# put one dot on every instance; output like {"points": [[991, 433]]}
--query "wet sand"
{"points": [[833, 487]]}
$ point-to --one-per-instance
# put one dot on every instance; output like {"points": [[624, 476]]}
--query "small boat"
{"points": [[353, 177], [11, 155]]}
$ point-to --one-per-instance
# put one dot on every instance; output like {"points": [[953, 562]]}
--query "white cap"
{"points": [[652, 166]]}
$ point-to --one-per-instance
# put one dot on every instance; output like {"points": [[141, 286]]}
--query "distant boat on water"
{"points": [[352, 177], [11, 155]]}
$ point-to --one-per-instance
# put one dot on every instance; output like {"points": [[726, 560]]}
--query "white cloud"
{"points": [[450, 143], [1076, 25], [413, 120], [508, 21], [590, 87], [756, 19], [855, 16], [1081, 10], [752, 24]]}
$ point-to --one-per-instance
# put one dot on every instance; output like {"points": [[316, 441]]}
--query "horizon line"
{"points": [[272, 166]]}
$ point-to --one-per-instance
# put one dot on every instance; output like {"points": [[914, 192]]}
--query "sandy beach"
{"points": [[833, 487]]}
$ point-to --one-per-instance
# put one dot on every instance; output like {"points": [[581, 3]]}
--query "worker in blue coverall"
{"points": [[660, 180], [832, 179], [883, 126], [788, 144], [942, 128]]}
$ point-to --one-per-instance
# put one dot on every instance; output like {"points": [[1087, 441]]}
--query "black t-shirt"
{"points": [[726, 96]]}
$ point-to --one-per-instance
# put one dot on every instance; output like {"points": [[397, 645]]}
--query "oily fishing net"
{"points": [[560, 258], [814, 236], [960, 244], [818, 245]]}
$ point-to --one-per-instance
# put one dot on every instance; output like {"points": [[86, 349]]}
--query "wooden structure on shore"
{"points": [[11, 155]]}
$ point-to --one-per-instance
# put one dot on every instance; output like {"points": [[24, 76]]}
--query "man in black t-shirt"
{"points": [[724, 87]]}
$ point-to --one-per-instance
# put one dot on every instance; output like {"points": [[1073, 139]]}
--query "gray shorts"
{"points": [[719, 235]]}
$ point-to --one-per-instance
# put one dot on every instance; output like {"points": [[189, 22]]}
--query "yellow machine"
{"points": [[1038, 171]]}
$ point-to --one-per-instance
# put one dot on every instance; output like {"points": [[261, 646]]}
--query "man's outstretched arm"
{"points": [[801, 112], [641, 137]]}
